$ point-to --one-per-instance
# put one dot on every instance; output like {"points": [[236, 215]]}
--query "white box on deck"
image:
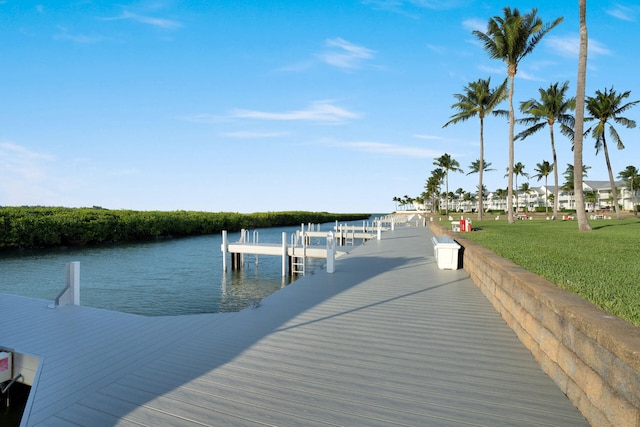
{"points": [[5, 366], [446, 254]]}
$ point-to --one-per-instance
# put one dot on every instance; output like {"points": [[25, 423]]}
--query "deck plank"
{"points": [[388, 339]]}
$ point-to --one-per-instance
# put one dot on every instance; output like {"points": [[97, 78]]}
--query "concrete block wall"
{"points": [[593, 356]]}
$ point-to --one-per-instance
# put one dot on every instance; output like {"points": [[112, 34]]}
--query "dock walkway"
{"points": [[388, 339]]}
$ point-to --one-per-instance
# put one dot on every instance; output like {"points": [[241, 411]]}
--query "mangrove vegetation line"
{"points": [[42, 227]]}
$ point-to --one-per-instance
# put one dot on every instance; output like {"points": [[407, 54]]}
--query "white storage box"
{"points": [[6, 360], [445, 250]]}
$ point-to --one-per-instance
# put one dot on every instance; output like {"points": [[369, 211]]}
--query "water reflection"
{"points": [[169, 277]]}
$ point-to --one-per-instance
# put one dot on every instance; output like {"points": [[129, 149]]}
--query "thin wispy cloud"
{"points": [[204, 118], [624, 13], [23, 174], [475, 24], [390, 149], [64, 34], [253, 135], [409, 7], [428, 137], [321, 111], [569, 46], [493, 70], [343, 54], [439, 49], [124, 172], [167, 24]]}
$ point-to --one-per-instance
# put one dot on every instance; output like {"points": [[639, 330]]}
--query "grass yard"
{"points": [[602, 266]]}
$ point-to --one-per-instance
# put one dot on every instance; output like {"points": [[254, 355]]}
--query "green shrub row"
{"points": [[41, 227]]}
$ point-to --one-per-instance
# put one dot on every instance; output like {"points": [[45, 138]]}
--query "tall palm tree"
{"points": [[510, 38], [432, 186], [583, 222], [552, 107], [518, 169], [631, 177], [478, 99], [606, 107], [447, 163], [544, 169]]}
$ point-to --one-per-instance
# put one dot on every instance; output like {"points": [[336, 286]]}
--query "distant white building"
{"points": [[535, 197]]}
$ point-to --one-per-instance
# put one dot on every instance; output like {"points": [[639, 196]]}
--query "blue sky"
{"points": [[262, 105]]}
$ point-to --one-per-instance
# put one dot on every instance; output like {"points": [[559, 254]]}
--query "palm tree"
{"points": [[511, 38], [570, 183], [631, 177], [474, 167], [447, 163], [478, 99], [518, 169], [544, 169], [525, 189], [591, 197], [459, 192], [501, 193], [606, 107], [583, 222], [432, 186], [551, 107], [396, 199]]}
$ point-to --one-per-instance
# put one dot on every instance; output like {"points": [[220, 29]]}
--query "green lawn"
{"points": [[602, 266]]}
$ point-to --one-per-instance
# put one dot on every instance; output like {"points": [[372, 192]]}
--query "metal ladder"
{"points": [[298, 262], [350, 239]]}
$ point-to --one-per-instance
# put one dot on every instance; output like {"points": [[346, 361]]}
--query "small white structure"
{"points": [[70, 295], [445, 250], [331, 253]]}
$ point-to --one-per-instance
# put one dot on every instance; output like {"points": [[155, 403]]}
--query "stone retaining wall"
{"points": [[593, 356]]}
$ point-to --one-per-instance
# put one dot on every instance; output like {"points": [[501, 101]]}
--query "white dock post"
{"points": [[225, 248], [379, 230], [72, 294], [74, 279], [331, 253], [284, 253]]}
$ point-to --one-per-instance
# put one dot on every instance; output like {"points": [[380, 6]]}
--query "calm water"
{"points": [[167, 277]]}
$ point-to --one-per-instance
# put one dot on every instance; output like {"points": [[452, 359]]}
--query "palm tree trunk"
{"points": [[480, 170], [517, 201], [614, 192], [555, 174], [446, 198], [546, 197], [510, 217], [583, 222]]}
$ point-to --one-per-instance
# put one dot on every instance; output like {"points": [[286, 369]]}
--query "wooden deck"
{"points": [[388, 339]]}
